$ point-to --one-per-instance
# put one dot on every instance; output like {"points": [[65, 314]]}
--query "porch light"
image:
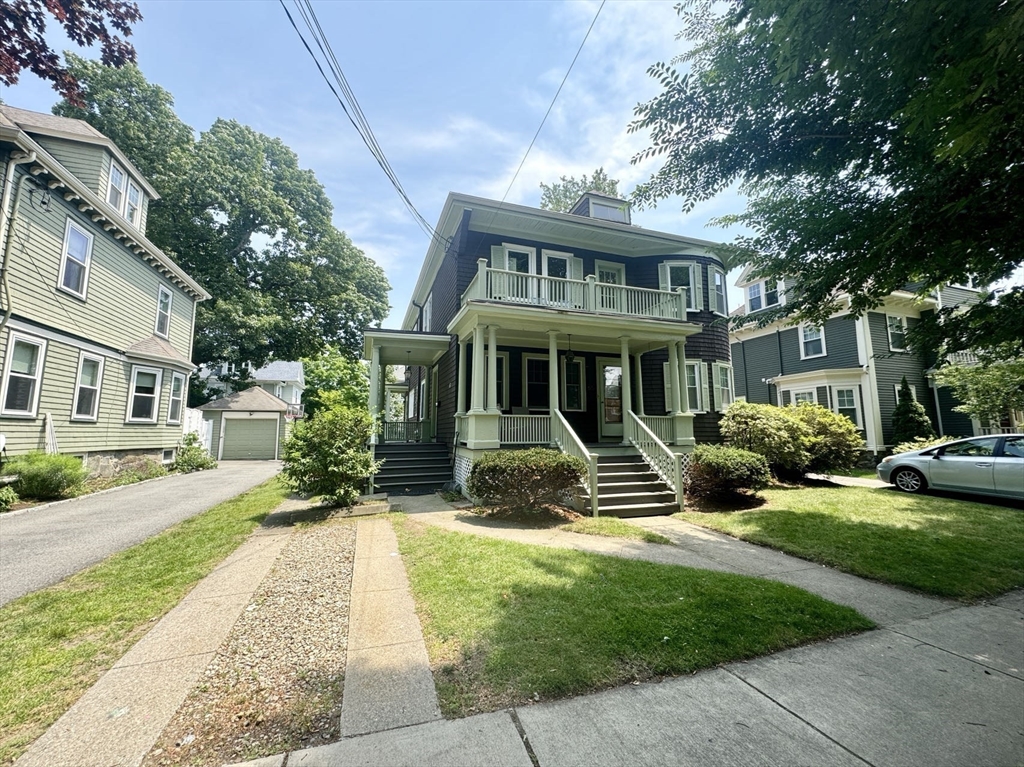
{"points": [[569, 356]]}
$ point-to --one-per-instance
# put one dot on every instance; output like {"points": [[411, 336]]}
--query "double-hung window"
{"points": [[913, 392], [682, 274], [897, 327], [144, 395], [693, 387], [132, 205], [573, 389], [116, 189], [163, 312], [23, 375], [762, 295], [74, 264], [717, 295], [87, 387], [804, 396], [177, 398], [812, 342], [537, 378], [723, 385], [846, 404]]}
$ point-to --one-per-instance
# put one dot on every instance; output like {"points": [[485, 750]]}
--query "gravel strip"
{"points": [[276, 683]]}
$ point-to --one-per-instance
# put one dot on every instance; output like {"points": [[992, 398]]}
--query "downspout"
{"points": [[7, 225]]}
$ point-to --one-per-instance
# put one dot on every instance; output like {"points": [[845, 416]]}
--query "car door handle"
{"points": [[983, 465]]}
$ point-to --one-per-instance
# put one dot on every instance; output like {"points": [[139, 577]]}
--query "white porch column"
{"points": [[684, 402], [478, 370], [552, 371], [492, 369], [639, 388], [461, 405], [374, 402], [673, 372], [627, 392]]}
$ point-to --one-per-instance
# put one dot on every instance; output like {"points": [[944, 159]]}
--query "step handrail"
{"points": [[569, 443], [667, 464]]}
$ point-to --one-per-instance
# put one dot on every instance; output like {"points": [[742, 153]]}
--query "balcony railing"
{"points": [[577, 295], [526, 429], [295, 411]]}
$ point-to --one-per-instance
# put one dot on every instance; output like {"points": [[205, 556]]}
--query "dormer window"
{"points": [[115, 193], [762, 295], [124, 196], [601, 206], [607, 212], [131, 211]]}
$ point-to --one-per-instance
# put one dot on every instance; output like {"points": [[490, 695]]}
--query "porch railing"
{"points": [[525, 430], [567, 441], [663, 426], [403, 431], [990, 430], [667, 464], [587, 295]]}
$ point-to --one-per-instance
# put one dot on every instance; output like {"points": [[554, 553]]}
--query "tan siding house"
{"points": [[95, 321]]}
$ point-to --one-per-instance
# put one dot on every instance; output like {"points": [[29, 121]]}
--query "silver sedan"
{"points": [[983, 465]]}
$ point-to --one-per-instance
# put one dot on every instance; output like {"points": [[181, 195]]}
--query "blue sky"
{"points": [[454, 91]]}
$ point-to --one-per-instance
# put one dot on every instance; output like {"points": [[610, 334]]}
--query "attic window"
{"points": [[608, 212]]}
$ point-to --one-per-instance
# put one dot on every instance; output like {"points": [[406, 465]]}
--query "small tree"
{"points": [[561, 196], [835, 444], [988, 391], [334, 378], [909, 419], [771, 431], [327, 456]]}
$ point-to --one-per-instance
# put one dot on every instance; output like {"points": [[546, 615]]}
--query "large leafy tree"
{"points": [[23, 42], [560, 196], [988, 392], [880, 145], [240, 215]]}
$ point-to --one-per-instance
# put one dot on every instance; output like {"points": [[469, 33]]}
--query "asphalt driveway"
{"points": [[40, 547]]}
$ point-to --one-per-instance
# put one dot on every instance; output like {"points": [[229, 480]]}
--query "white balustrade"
{"points": [[525, 430], [403, 431], [565, 438], [663, 427], [667, 464]]}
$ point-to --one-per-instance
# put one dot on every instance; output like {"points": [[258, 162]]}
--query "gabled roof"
{"points": [[42, 124], [254, 399], [280, 370], [156, 349]]}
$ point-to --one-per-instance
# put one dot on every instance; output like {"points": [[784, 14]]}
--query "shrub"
{"points": [[45, 477], [139, 469], [835, 445], [720, 470], [771, 431], [909, 419], [7, 498], [526, 480], [921, 443], [327, 455], [192, 456]]}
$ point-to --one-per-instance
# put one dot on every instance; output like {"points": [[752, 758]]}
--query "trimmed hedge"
{"points": [[834, 444], [526, 480], [46, 477], [720, 470]]}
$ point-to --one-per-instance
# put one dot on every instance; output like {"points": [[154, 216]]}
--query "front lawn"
{"points": [[611, 527], [55, 643], [506, 622], [940, 546]]}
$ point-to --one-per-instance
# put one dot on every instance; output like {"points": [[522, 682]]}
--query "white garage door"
{"points": [[249, 439]]}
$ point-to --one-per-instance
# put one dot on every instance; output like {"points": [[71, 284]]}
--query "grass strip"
{"points": [[56, 642], [940, 546], [505, 622], [610, 527]]}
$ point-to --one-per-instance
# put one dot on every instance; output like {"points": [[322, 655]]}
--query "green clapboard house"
{"points": [[96, 323]]}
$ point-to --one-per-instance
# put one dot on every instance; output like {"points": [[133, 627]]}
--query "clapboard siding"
{"points": [[87, 162], [121, 295], [890, 368], [954, 424], [109, 432], [840, 347], [761, 360]]}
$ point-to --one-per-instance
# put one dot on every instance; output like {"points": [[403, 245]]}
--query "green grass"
{"points": [[859, 473], [55, 643], [940, 546], [506, 621], [610, 527]]}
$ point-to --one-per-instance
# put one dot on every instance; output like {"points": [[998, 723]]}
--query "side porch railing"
{"points": [[667, 464], [662, 425], [403, 431], [565, 438], [525, 430]]}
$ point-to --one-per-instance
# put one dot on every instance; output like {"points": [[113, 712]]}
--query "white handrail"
{"points": [[567, 441], [662, 425], [525, 430], [667, 464]]}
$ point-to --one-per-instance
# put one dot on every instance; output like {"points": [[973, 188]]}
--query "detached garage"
{"points": [[246, 426]]}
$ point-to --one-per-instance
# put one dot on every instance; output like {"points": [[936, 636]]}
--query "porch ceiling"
{"points": [[403, 347], [529, 326]]}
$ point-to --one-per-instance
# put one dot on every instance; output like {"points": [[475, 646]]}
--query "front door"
{"points": [[609, 398]]}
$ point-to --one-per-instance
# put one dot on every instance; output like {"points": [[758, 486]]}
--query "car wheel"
{"points": [[908, 480]]}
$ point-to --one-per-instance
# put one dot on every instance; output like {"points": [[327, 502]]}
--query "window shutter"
{"points": [[498, 259], [705, 400], [575, 268], [667, 385], [663, 276], [697, 273], [712, 293]]}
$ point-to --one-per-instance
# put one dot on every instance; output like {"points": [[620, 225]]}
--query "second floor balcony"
{"points": [[586, 295]]}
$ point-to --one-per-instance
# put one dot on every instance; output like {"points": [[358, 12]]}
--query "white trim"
{"points": [[427, 316], [122, 190], [717, 304], [583, 384], [694, 294], [813, 391], [136, 369], [859, 423], [422, 413], [65, 255], [137, 220], [82, 357], [40, 344], [526, 388], [761, 286], [913, 392], [805, 326], [888, 331], [181, 398], [717, 369], [610, 266], [531, 252], [666, 382], [503, 357], [50, 335], [162, 289]]}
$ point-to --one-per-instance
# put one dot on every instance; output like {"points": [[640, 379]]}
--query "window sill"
{"points": [[813, 356], [19, 415], [83, 419], [138, 422], [67, 291]]}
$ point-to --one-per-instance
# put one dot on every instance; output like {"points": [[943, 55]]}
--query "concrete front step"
{"points": [[609, 500], [414, 463], [639, 510], [410, 488]]}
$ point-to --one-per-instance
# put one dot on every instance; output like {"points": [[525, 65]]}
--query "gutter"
{"points": [[7, 224]]}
